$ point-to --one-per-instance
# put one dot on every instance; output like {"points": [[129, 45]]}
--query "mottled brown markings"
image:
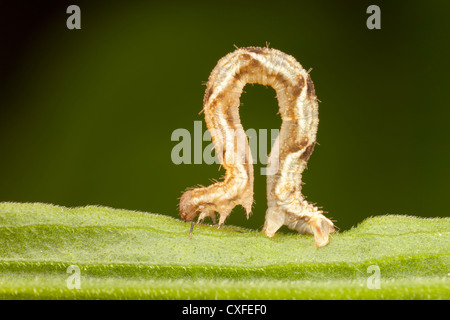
{"points": [[282, 79], [230, 120], [246, 70], [304, 141], [297, 89], [257, 50], [212, 104], [297, 145], [220, 96], [249, 68], [245, 56], [255, 64], [292, 148], [310, 88], [308, 151], [207, 95]]}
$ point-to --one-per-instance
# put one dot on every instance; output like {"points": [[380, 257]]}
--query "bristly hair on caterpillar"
{"points": [[298, 107]]}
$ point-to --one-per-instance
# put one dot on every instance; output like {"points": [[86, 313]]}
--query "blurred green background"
{"points": [[87, 115]]}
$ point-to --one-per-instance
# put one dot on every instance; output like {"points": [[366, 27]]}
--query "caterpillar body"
{"points": [[298, 108]]}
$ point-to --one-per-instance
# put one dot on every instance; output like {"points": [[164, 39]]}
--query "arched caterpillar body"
{"points": [[292, 149]]}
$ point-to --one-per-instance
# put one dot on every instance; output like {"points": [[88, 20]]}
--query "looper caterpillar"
{"points": [[295, 143]]}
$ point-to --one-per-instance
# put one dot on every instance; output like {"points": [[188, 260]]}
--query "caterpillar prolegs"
{"points": [[299, 113]]}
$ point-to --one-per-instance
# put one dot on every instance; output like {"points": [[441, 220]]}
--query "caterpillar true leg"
{"points": [[296, 141]]}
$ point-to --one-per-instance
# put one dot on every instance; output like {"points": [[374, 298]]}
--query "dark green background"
{"points": [[87, 115]]}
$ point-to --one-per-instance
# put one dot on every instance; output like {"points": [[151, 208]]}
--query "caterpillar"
{"points": [[298, 107]]}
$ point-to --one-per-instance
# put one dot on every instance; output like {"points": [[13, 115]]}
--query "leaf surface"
{"points": [[136, 255]]}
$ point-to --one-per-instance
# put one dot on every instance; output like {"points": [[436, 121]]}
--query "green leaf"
{"points": [[136, 255]]}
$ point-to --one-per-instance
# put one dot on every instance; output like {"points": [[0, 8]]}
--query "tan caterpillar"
{"points": [[294, 145]]}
